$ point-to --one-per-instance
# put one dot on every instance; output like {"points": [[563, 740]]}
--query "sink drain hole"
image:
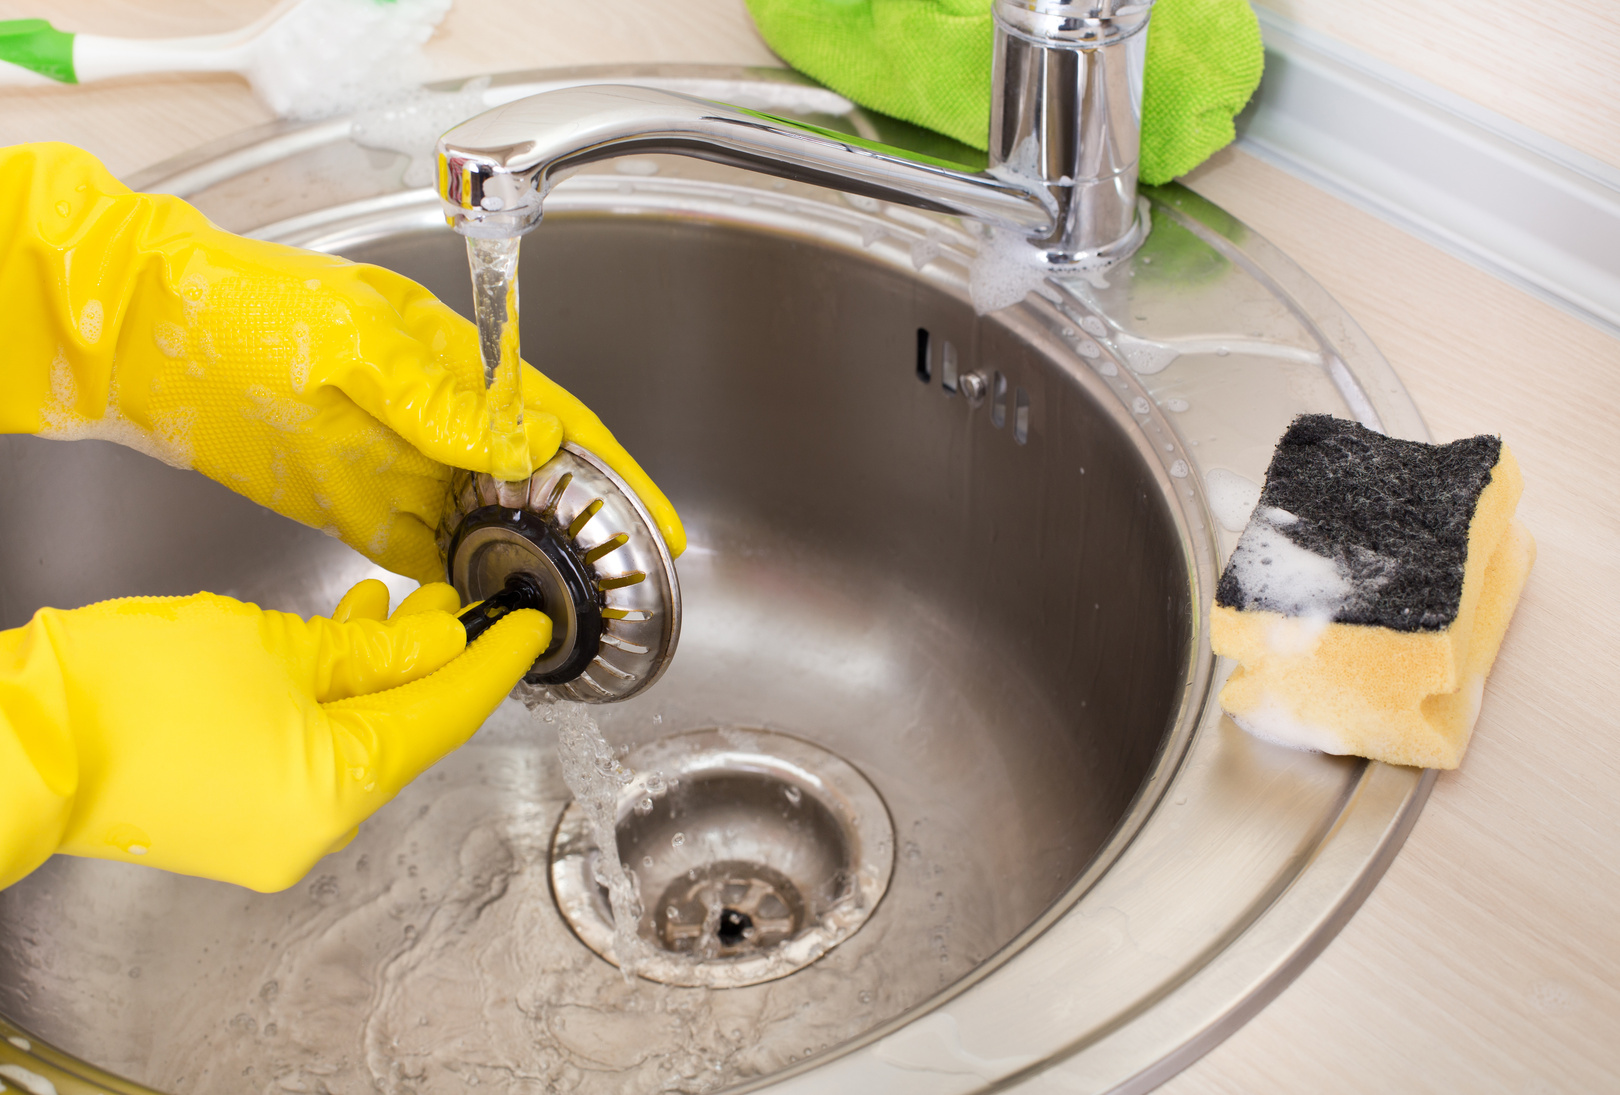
{"points": [[764, 852], [729, 909]]}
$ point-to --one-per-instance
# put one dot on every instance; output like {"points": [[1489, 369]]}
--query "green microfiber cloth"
{"points": [[928, 62]]}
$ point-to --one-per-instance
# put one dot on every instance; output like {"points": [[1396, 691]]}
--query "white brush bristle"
{"points": [[327, 56]]}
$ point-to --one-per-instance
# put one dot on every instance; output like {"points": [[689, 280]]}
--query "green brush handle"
{"points": [[34, 46]]}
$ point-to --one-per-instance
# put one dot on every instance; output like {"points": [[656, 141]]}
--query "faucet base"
{"points": [[1061, 261]]}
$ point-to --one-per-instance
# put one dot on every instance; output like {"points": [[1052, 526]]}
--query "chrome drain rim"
{"points": [[755, 853]]}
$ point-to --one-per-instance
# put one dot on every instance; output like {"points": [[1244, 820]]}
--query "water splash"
{"points": [[593, 772]]}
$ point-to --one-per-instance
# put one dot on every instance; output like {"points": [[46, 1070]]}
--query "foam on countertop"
{"points": [[1232, 497]]}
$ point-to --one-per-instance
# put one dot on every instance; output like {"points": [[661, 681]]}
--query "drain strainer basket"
{"points": [[604, 573]]}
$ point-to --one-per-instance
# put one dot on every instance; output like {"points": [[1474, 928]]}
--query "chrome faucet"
{"points": [[1065, 129]]}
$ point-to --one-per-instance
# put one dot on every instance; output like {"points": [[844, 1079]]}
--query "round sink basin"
{"points": [[966, 557]]}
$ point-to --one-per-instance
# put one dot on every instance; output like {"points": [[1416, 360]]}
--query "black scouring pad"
{"points": [[1392, 516]]}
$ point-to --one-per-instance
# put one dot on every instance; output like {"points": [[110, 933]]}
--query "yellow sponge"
{"points": [[1367, 597]]}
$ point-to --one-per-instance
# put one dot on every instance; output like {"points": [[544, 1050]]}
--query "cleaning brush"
{"points": [[304, 59]]}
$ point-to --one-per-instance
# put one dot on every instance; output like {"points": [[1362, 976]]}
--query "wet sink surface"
{"points": [[990, 608], [874, 567]]}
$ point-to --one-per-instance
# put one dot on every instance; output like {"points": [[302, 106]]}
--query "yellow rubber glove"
{"points": [[211, 737], [338, 394]]}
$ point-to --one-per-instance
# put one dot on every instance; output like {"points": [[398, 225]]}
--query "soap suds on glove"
{"points": [[169, 440]]}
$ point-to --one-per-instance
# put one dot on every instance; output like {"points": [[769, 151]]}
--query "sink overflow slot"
{"points": [[1021, 417], [925, 369], [998, 400]]}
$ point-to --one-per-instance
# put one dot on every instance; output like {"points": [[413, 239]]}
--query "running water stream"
{"points": [[494, 265], [590, 767], [594, 774]]}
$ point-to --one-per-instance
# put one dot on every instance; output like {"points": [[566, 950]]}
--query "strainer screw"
{"points": [[974, 387]]}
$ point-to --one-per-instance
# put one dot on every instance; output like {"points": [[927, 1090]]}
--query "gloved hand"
{"points": [[928, 62], [338, 394], [211, 737]]}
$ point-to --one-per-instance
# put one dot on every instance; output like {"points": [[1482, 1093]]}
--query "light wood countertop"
{"points": [[1488, 959]]}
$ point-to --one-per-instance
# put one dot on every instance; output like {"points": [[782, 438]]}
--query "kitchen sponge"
{"points": [[1368, 595]]}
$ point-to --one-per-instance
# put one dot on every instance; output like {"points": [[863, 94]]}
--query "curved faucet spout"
{"points": [[495, 169], [1065, 133]]}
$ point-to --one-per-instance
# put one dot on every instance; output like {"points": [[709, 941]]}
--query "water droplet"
{"points": [[1177, 405], [646, 861], [644, 806], [866, 997], [1179, 469], [1139, 406], [672, 913], [794, 795], [678, 839]]}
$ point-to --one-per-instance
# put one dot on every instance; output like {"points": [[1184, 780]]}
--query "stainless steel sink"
{"points": [[969, 555]]}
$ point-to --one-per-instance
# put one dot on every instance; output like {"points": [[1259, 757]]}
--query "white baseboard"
{"points": [[1530, 210]]}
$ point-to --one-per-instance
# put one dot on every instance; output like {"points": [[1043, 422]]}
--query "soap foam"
{"points": [[90, 320], [1232, 498], [169, 439], [31, 1082], [1280, 576], [1271, 721], [1005, 271], [411, 121]]}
